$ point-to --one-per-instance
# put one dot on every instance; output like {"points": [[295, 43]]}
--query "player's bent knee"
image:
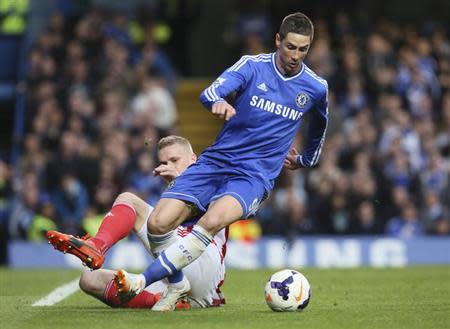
{"points": [[167, 215], [126, 197], [212, 224], [159, 224]]}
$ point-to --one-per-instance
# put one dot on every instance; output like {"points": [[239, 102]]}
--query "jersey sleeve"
{"points": [[233, 79], [316, 133]]}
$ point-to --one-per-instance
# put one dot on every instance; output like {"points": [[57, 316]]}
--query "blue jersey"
{"points": [[269, 110]]}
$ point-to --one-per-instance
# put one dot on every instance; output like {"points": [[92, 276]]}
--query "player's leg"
{"points": [[94, 283], [155, 243], [207, 274], [163, 217], [178, 203], [128, 212], [101, 285], [222, 212], [179, 286], [184, 251], [238, 198], [173, 212], [197, 186], [166, 216], [191, 192]]}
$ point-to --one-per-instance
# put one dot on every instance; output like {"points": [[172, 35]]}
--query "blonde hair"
{"points": [[173, 139]]}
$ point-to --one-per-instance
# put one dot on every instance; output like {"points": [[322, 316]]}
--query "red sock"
{"points": [[116, 225], [143, 300], [110, 295]]}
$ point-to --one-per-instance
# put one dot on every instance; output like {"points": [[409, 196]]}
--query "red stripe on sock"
{"points": [[116, 225], [110, 295]]}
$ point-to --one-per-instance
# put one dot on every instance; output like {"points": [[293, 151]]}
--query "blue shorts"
{"points": [[204, 182]]}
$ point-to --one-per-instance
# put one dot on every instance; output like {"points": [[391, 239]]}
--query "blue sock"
{"points": [[176, 277], [159, 269]]}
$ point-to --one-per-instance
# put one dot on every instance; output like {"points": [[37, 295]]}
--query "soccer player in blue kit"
{"points": [[234, 175]]}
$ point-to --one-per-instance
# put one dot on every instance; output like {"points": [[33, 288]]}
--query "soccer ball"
{"points": [[287, 291]]}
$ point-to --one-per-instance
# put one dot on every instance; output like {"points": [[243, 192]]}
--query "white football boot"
{"points": [[173, 293]]}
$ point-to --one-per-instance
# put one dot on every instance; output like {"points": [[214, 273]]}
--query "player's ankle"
{"points": [[181, 283], [100, 245]]}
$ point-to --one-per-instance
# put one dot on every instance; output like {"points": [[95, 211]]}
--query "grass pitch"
{"points": [[413, 297]]}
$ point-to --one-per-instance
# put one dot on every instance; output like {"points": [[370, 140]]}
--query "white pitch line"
{"points": [[58, 294]]}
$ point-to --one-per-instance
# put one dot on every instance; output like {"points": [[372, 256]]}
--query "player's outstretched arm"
{"points": [[223, 110]]}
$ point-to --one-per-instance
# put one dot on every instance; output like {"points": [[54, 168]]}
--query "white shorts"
{"points": [[206, 274]]}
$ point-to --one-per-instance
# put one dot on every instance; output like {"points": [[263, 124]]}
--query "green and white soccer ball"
{"points": [[287, 291]]}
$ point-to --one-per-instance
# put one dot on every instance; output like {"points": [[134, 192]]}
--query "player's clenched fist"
{"points": [[290, 162], [223, 110]]}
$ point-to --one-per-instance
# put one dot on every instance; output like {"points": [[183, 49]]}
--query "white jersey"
{"points": [[206, 274]]}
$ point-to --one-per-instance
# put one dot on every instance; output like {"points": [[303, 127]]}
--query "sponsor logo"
{"points": [[275, 108]]}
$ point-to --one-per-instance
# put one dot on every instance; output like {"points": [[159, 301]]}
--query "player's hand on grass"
{"points": [[290, 162], [223, 110], [168, 173]]}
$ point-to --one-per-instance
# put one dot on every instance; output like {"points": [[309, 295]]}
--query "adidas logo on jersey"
{"points": [[262, 87]]}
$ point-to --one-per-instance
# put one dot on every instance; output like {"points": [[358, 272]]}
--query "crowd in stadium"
{"points": [[96, 90]]}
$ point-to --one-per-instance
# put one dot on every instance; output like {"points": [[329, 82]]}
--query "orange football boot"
{"points": [[128, 285], [183, 305], [82, 248]]}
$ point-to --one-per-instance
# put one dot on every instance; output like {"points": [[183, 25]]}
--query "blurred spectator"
{"points": [[290, 204], [366, 220], [155, 105], [433, 209], [407, 224], [321, 57], [440, 226], [71, 202], [254, 30], [142, 181], [355, 98], [435, 174], [45, 219], [443, 136], [155, 62], [23, 207]]}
